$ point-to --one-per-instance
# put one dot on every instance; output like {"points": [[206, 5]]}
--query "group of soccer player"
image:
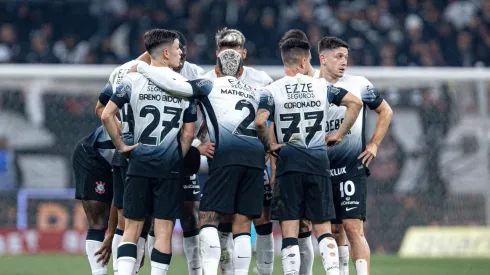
{"points": [[136, 174]]}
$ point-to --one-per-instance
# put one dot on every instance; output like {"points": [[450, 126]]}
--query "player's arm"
{"points": [[145, 57], [104, 98], [109, 119], [273, 159], [375, 102], [105, 250], [188, 130], [341, 97], [173, 85], [266, 108]]}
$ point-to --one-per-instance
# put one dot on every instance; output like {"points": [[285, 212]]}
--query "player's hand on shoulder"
{"points": [[126, 150], [333, 139], [369, 154], [206, 149]]}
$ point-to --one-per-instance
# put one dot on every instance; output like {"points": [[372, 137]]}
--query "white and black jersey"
{"points": [[191, 71], [125, 113], [343, 156], [229, 107], [299, 106], [158, 118], [96, 146]]}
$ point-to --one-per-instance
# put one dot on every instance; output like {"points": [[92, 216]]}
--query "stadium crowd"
{"points": [[381, 33]]}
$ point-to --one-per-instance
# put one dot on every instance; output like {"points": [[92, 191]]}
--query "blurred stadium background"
{"points": [[429, 189]]}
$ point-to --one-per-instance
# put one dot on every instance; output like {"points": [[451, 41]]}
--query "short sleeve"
{"points": [[201, 86], [190, 114], [106, 93], [123, 93], [266, 101], [336, 94], [370, 96]]}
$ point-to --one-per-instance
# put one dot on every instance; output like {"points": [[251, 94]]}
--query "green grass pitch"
{"points": [[59, 264]]}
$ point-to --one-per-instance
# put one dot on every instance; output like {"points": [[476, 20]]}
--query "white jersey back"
{"points": [[158, 118], [125, 113], [230, 107], [299, 106], [250, 76]]}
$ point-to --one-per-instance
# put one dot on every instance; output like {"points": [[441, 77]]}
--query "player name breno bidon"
{"points": [[158, 94]]}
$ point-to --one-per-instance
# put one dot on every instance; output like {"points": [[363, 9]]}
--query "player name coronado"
{"points": [[292, 105], [158, 97], [238, 93]]}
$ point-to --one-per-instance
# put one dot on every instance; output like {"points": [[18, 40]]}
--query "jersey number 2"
{"points": [[167, 125], [295, 119], [242, 129]]}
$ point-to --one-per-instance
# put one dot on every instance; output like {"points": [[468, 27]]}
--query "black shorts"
{"points": [[302, 196], [93, 185], [349, 196], [119, 177], [192, 191], [160, 198], [267, 190], [234, 189]]}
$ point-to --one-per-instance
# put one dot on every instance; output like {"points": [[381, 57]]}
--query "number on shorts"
{"points": [[349, 188]]}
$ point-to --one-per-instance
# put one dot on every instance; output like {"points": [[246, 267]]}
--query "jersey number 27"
{"points": [[167, 125]]}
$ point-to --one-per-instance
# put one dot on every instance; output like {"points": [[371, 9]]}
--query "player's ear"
{"points": [[323, 60], [244, 54], [165, 53], [303, 63], [217, 52]]}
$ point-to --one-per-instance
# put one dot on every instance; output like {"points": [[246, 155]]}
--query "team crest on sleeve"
{"points": [[371, 91], [203, 82], [194, 109], [270, 100], [100, 187], [334, 90], [123, 91]]}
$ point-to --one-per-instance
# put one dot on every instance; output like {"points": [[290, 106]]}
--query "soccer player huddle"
{"points": [[136, 174]]}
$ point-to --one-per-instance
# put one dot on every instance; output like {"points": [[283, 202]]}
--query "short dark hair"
{"points": [[182, 40], [293, 49], [294, 33], [229, 38], [330, 43], [158, 37]]}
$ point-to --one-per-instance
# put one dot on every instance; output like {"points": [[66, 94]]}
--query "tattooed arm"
{"points": [[262, 128]]}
